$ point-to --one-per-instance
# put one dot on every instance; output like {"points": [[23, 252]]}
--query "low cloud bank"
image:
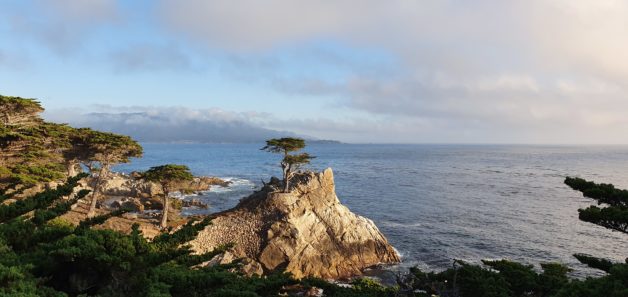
{"points": [[172, 124]]}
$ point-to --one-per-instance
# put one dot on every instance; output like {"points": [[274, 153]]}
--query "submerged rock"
{"points": [[307, 232]]}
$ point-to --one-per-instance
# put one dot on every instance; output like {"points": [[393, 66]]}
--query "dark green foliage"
{"points": [[106, 148], [553, 278], [31, 148], [593, 262], [505, 278], [18, 105], [183, 235], [614, 216], [368, 287], [603, 193], [43, 215], [168, 174], [97, 220], [521, 278], [611, 217], [38, 201], [615, 284], [284, 145]]}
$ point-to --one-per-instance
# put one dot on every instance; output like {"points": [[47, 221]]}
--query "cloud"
{"points": [[171, 124], [61, 25], [145, 57], [407, 70], [537, 71], [457, 38]]}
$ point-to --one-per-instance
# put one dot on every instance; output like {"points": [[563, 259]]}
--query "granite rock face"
{"points": [[307, 232]]}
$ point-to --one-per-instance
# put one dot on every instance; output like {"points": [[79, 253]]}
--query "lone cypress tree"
{"points": [[168, 176], [290, 163]]}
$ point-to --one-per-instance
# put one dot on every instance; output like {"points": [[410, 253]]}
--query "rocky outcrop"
{"points": [[307, 232], [129, 186]]}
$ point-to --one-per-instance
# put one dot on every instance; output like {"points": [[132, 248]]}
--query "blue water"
{"points": [[436, 203]]}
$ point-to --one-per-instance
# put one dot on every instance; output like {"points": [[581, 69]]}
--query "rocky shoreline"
{"points": [[306, 232], [134, 193]]}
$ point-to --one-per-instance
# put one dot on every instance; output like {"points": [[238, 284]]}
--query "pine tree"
{"points": [[168, 176], [290, 163]]}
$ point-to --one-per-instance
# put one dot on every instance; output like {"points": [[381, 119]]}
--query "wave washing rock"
{"points": [[307, 232]]}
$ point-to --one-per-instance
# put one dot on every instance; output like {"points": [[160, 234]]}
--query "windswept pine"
{"points": [[290, 163], [168, 176]]}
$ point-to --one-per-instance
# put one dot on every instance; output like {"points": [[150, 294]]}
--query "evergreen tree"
{"points": [[168, 176], [101, 150], [613, 214], [290, 162]]}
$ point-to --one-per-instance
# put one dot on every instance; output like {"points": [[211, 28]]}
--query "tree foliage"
{"points": [[613, 214], [168, 176], [290, 162], [34, 151]]}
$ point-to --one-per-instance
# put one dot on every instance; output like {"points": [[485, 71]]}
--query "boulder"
{"points": [[306, 232], [195, 203]]}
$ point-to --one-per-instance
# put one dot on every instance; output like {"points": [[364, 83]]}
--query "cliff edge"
{"points": [[307, 232]]}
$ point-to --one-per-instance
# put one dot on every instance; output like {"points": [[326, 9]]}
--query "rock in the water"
{"points": [[307, 232], [195, 203], [133, 186]]}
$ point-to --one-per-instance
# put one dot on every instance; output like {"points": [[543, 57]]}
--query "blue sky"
{"points": [[358, 71]]}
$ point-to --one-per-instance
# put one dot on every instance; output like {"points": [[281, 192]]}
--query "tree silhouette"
{"points": [[290, 163], [612, 215]]}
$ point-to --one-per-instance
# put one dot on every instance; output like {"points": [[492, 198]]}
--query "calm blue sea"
{"points": [[436, 203]]}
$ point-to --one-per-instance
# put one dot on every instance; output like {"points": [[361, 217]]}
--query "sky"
{"points": [[363, 71]]}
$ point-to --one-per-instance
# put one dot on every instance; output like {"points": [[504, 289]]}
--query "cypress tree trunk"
{"points": [[286, 177], [92, 207], [71, 166], [164, 213], [286, 184]]}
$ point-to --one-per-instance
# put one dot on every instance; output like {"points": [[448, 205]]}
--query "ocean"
{"points": [[436, 203]]}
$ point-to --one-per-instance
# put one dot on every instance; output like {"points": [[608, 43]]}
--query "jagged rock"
{"points": [[133, 205], [307, 232], [194, 203], [251, 267]]}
